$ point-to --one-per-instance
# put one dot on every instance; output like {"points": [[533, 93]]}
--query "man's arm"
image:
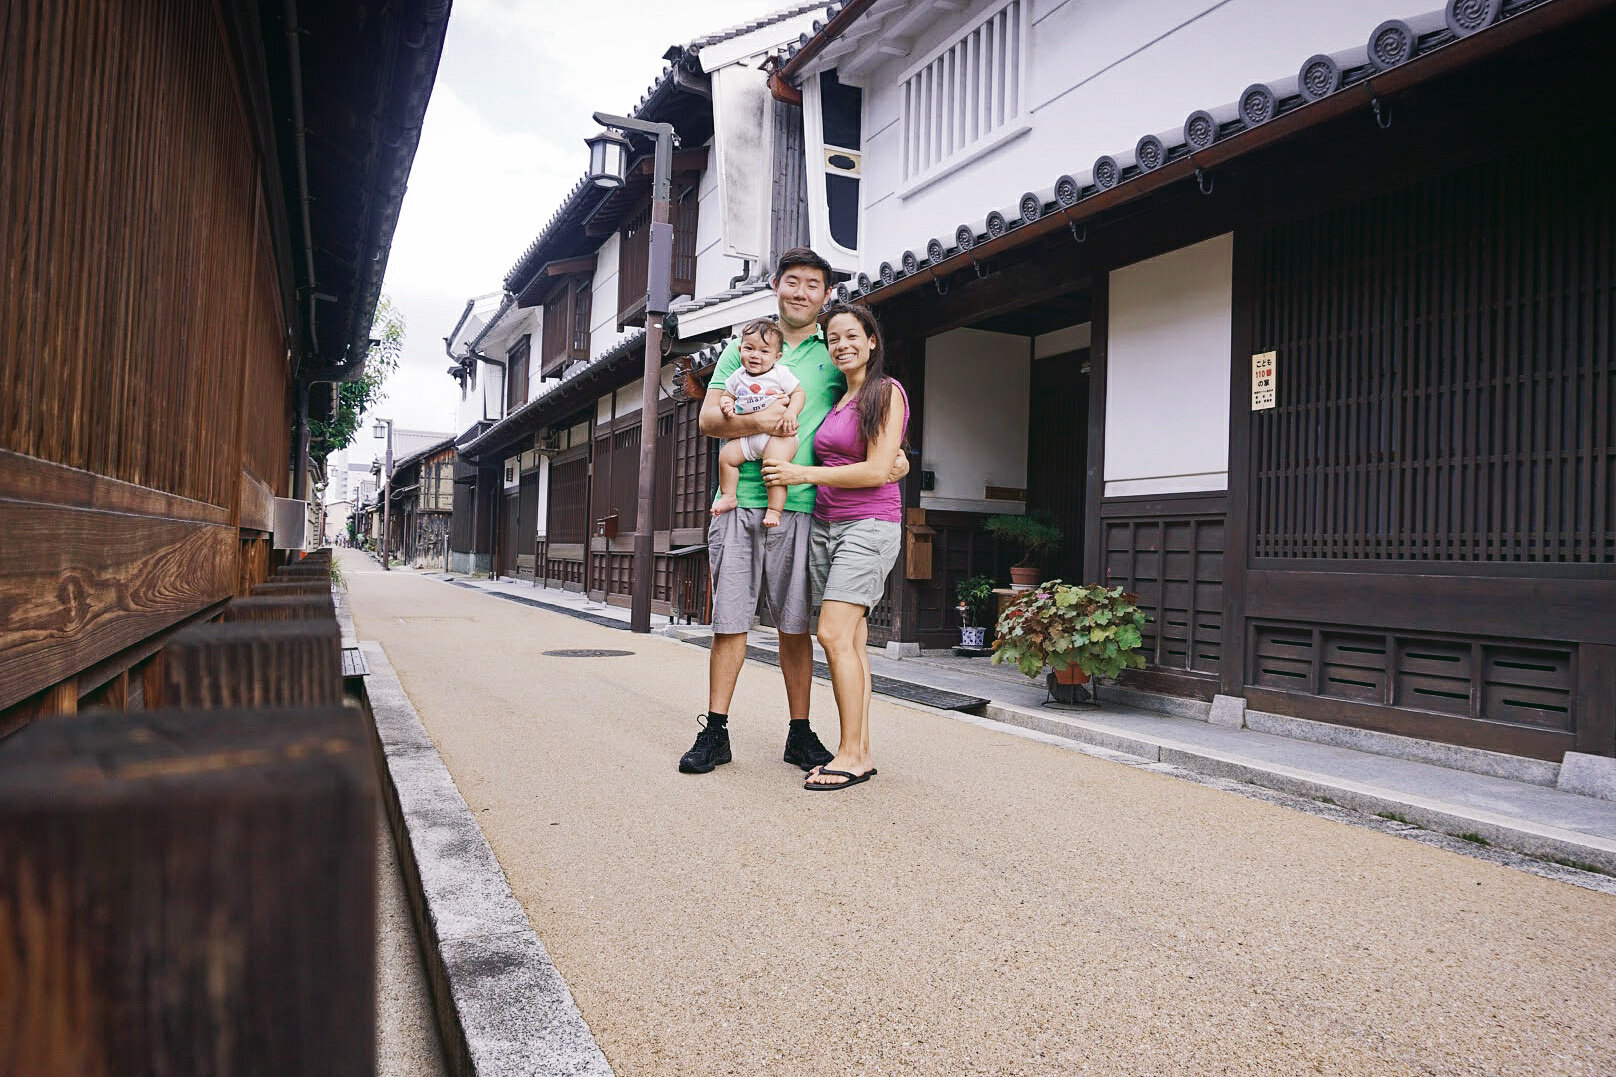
{"points": [[715, 424]]}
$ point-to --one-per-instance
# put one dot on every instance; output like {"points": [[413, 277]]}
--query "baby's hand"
{"points": [[788, 425], [727, 406]]}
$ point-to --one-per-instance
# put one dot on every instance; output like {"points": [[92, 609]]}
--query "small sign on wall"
{"points": [[1262, 380]]}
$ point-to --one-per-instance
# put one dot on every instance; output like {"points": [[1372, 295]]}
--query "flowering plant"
{"points": [[1058, 624]]}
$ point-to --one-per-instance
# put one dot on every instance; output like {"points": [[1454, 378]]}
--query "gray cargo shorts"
{"points": [[748, 560]]}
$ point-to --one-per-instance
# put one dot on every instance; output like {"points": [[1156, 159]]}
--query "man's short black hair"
{"points": [[802, 256]]}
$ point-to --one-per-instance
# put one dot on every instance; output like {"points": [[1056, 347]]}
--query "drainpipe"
{"points": [[301, 156]]}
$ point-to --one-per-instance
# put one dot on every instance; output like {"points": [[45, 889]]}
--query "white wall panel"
{"points": [[1167, 372]]}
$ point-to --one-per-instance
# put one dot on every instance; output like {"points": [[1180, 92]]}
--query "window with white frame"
{"points": [[966, 95]]}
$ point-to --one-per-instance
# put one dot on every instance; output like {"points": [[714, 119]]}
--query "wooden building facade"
{"points": [[167, 226], [1415, 532]]}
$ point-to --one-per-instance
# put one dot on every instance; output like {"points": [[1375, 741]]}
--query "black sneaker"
{"points": [[710, 750], [804, 750]]}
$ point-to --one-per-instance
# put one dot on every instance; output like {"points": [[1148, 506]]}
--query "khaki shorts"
{"points": [[749, 561], [849, 560]]}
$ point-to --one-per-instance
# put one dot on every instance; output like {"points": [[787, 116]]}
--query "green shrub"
{"points": [[1098, 629]]}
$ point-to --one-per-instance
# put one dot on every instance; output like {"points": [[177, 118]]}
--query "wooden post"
{"points": [[280, 608], [254, 664], [189, 892]]}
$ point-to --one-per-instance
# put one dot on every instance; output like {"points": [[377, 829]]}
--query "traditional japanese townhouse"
{"points": [[1296, 318], [423, 498], [551, 468], [199, 202]]}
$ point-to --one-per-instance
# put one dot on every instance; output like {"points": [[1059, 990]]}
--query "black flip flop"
{"points": [[852, 779]]}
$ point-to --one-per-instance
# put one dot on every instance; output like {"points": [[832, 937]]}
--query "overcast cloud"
{"points": [[501, 146]]}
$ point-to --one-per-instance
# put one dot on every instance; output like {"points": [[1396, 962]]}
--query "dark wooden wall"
{"points": [[1432, 523], [140, 313]]}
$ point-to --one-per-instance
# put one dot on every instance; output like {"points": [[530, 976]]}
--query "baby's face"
{"points": [[757, 356]]}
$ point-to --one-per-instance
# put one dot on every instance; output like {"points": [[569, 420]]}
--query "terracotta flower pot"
{"points": [[1066, 686], [1071, 675], [1024, 577]]}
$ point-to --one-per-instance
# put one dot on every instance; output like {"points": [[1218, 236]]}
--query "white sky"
{"points": [[501, 146]]}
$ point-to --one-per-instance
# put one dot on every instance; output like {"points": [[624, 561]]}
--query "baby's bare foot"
{"points": [[725, 503], [771, 517]]}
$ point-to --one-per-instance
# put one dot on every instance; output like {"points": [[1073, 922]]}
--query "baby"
{"points": [[757, 384]]}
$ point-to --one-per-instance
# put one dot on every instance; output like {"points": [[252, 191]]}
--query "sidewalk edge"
{"points": [[502, 1006]]}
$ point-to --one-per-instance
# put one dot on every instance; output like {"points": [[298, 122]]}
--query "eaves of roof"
{"points": [[556, 400], [759, 23], [838, 17], [422, 454], [1399, 54]]}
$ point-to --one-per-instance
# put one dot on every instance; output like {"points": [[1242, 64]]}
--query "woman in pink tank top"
{"points": [[857, 529]]}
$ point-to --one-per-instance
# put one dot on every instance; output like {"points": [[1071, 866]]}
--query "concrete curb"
{"points": [[503, 1008], [1534, 839]]}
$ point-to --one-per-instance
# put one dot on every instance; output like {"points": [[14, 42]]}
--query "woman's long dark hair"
{"points": [[874, 398]]}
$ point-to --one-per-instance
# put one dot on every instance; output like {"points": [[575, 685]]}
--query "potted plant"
{"points": [[1035, 537], [1077, 632], [975, 596]]}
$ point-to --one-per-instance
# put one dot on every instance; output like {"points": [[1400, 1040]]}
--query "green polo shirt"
{"points": [[822, 384]]}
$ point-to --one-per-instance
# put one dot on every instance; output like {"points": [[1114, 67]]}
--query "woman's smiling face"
{"points": [[848, 343]]}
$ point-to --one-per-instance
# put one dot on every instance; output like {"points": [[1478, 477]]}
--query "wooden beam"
{"points": [[189, 893], [78, 585]]}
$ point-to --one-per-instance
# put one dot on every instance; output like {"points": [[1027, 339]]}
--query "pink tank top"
{"points": [[837, 442]]}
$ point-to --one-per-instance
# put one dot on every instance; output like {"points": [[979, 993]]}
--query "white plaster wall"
{"points": [[714, 268], [1167, 372], [977, 386], [1073, 338], [1103, 74], [603, 334]]}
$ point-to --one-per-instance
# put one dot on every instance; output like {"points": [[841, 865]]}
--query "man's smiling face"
{"points": [[801, 293]]}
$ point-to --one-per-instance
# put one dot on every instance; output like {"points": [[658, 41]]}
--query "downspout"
{"points": [[300, 154]]}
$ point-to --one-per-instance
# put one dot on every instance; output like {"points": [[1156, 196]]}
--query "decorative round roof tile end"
{"points": [[1068, 190], [964, 239], [1200, 130], [1031, 207], [1258, 104], [1391, 44], [887, 273], [1465, 17], [997, 225], [1150, 152], [910, 263], [1107, 173], [1319, 77]]}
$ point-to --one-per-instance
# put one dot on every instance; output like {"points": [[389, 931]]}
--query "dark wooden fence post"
{"points": [[188, 892]]}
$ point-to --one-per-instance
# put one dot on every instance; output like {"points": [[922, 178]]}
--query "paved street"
{"points": [[987, 904]]}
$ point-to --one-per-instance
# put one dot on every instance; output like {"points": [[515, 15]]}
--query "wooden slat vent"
{"points": [[1467, 677]]}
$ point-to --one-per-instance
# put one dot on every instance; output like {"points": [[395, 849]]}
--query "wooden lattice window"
{"points": [[568, 514], [691, 492], [1446, 381], [566, 324], [516, 368]]}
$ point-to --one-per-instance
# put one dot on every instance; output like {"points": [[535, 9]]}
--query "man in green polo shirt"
{"points": [[748, 560]]}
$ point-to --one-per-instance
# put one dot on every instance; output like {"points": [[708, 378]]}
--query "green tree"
{"points": [[354, 398]]}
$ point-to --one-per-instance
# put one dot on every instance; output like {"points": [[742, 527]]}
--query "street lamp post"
{"points": [[387, 489], [608, 158]]}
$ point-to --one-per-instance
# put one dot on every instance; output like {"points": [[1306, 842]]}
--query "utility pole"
{"points": [[606, 169], [387, 493]]}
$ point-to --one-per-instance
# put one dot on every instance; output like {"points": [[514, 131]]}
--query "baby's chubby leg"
{"points": [[778, 448], [730, 459]]}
